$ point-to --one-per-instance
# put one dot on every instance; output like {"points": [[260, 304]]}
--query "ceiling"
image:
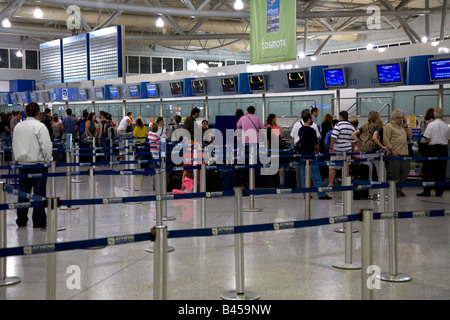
{"points": [[206, 24]]}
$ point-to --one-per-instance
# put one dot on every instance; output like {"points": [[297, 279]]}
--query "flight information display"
{"points": [[389, 73], [439, 69], [296, 80], [334, 77]]}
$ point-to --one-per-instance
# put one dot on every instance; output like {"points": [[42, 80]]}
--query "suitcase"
{"points": [[290, 179], [213, 181], [174, 180], [359, 171], [227, 176]]}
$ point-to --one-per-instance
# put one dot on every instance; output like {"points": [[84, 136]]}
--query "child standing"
{"points": [[188, 183]]}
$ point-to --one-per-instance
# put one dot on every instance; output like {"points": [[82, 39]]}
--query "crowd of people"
{"points": [[31, 142]]}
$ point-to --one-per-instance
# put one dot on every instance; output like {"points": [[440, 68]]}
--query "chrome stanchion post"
{"points": [[91, 220], [51, 228], [382, 178], [127, 166], [239, 293], [367, 253], [131, 176], [164, 180], [4, 280], [251, 177], [308, 194], [393, 275], [346, 207], [158, 205], [203, 199], [160, 264], [68, 171], [348, 240], [77, 168]]}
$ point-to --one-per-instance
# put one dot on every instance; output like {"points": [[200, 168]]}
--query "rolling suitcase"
{"points": [[360, 171]]}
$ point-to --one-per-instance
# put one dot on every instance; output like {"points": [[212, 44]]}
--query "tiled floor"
{"points": [[279, 265]]}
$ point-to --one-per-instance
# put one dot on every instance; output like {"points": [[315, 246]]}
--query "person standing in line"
{"points": [[309, 147], [315, 116], [395, 137], [190, 124], [126, 124], [341, 141], [32, 145], [427, 166], [46, 119], [69, 124], [437, 135], [17, 116]]}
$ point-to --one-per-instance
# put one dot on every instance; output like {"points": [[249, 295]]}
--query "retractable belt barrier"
{"points": [[212, 232]]}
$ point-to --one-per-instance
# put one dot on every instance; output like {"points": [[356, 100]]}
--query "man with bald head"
{"points": [[437, 135]]}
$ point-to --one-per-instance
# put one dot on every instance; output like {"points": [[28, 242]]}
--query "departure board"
{"points": [[75, 58], [105, 53], [389, 73], [51, 68], [439, 69], [334, 77]]}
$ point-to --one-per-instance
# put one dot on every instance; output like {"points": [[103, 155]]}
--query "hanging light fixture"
{"points": [[160, 22], [19, 54], [238, 5], [6, 23], [38, 14]]}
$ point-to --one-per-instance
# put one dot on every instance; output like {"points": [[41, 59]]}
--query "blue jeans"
{"points": [[39, 186], [315, 177]]}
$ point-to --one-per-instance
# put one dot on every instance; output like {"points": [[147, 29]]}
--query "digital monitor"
{"points": [[228, 85], [5, 99], [134, 91], [257, 83], [335, 77], [198, 87], [46, 96], [23, 98], [439, 69], [82, 93], [296, 80], [176, 89], [152, 90], [13, 98], [33, 97], [114, 92], [389, 73], [99, 94]]}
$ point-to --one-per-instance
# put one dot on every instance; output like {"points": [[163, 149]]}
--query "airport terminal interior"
{"points": [[164, 58]]}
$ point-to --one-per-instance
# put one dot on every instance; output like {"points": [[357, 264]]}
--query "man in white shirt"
{"points": [[437, 135], [295, 138], [32, 146]]}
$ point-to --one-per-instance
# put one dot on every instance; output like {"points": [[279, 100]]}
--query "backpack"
{"points": [[366, 142], [298, 145], [82, 127]]}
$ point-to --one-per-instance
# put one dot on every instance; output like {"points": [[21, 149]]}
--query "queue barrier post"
{"points": [[393, 275], [203, 199], [251, 177], [239, 293], [367, 254], [91, 219], [348, 239], [68, 183], [4, 280], [76, 179], [308, 194]]}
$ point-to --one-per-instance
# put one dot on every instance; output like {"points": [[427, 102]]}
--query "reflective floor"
{"points": [[279, 265]]}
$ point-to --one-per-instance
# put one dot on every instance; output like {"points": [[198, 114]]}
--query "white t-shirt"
{"points": [[438, 131], [296, 128], [123, 124]]}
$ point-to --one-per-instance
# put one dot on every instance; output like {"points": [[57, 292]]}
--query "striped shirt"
{"points": [[155, 144], [342, 132]]}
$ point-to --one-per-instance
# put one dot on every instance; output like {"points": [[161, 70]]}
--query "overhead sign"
{"points": [[273, 36]]}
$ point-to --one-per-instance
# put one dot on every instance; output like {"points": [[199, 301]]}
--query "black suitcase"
{"points": [[213, 181], [360, 171], [174, 180], [290, 179]]}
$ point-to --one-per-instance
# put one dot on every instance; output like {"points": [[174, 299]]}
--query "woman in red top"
{"points": [[273, 129]]}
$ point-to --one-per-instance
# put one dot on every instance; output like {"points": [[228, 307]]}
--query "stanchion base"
{"points": [[233, 295], [132, 203], [342, 230], [397, 278], [167, 218], [77, 181], [95, 248], [339, 204], [347, 266], [60, 228], [251, 210], [69, 208], [152, 250], [9, 281]]}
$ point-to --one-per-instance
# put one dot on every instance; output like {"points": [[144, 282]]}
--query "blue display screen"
{"points": [[152, 90], [334, 77], [134, 91], [389, 73], [114, 92], [439, 69]]}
